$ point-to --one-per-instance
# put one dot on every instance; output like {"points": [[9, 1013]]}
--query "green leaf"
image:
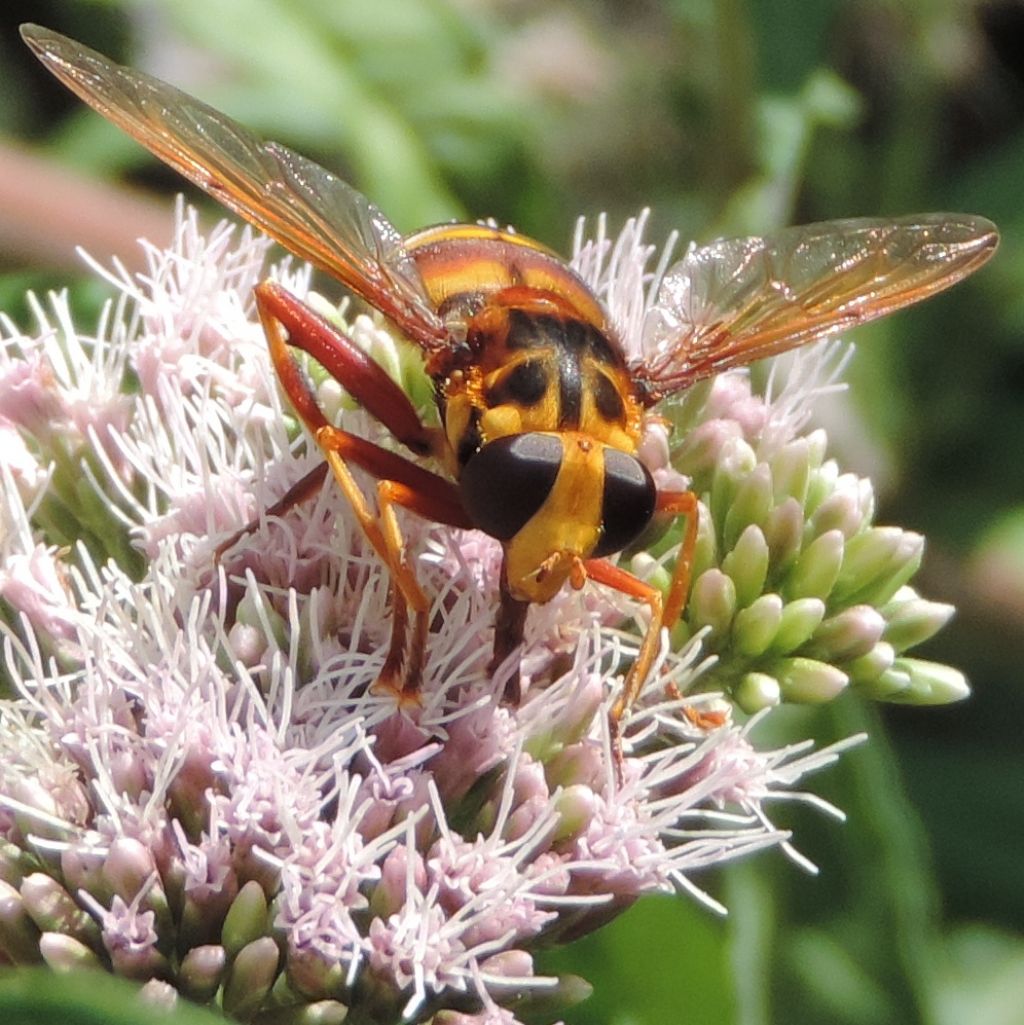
{"points": [[37, 996]]}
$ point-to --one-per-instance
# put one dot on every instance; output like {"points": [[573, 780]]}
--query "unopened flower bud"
{"points": [[250, 977], [53, 909], [391, 890], [757, 691], [889, 685], [735, 463], [577, 763], [246, 919], [19, 935], [510, 964], [201, 972], [751, 504], [912, 621], [323, 1012], [713, 601], [820, 485], [783, 530], [128, 867], [807, 680], [82, 869], [849, 634], [843, 510], [931, 683], [309, 974], [64, 953], [248, 643], [755, 627], [747, 565], [14, 863], [878, 562], [798, 622], [790, 470], [817, 567], [576, 805]]}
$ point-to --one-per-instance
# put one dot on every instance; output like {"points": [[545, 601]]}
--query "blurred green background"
{"points": [[724, 117]]}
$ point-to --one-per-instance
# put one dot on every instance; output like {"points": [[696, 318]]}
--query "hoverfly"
{"points": [[541, 413]]}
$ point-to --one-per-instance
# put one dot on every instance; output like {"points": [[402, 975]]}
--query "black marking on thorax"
{"points": [[564, 347]]}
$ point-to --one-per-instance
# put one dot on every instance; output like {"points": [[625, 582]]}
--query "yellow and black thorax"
{"points": [[537, 403]]}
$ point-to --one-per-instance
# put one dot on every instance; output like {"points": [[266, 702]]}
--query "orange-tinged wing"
{"points": [[737, 300], [309, 210]]}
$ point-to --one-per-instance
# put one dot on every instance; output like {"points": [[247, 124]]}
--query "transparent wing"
{"points": [[310, 211], [737, 300]]}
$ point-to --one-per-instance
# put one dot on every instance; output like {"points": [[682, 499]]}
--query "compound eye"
{"points": [[628, 502], [508, 480]]}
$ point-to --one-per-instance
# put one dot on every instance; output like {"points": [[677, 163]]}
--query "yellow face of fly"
{"points": [[565, 530]]}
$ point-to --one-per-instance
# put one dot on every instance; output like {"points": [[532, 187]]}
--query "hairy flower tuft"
{"points": [[200, 788]]}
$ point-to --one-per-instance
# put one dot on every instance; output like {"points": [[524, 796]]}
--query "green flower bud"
{"points": [[844, 509], [799, 620], [848, 635], [747, 565], [791, 470], [252, 612], [887, 686], [757, 691], [53, 909], [332, 398], [807, 680], [820, 485], [877, 563], [576, 763], [751, 505], [201, 972], [931, 683], [912, 620], [713, 601], [735, 464], [14, 863], [755, 627], [314, 978], [705, 551], [250, 977], [19, 935], [550, 1002], [66, 954], [784, 531], [651, 571], [817, 567], [246, 918], [872, 664], [576, 806]]}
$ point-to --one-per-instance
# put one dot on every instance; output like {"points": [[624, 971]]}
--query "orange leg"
{"points": [[289, 324], [402, 672], [664, 612]]}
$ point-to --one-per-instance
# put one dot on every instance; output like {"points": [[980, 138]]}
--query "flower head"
{"points": [[199, 784]]}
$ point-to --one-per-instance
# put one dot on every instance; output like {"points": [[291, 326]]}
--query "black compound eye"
{"points": [[628, 502], [508, 480]]}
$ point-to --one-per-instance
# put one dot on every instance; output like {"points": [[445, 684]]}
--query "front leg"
{"points": [[663, 611], [289, 324]]}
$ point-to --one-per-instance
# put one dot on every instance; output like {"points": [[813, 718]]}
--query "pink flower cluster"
{"points": [[198, 787]]}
